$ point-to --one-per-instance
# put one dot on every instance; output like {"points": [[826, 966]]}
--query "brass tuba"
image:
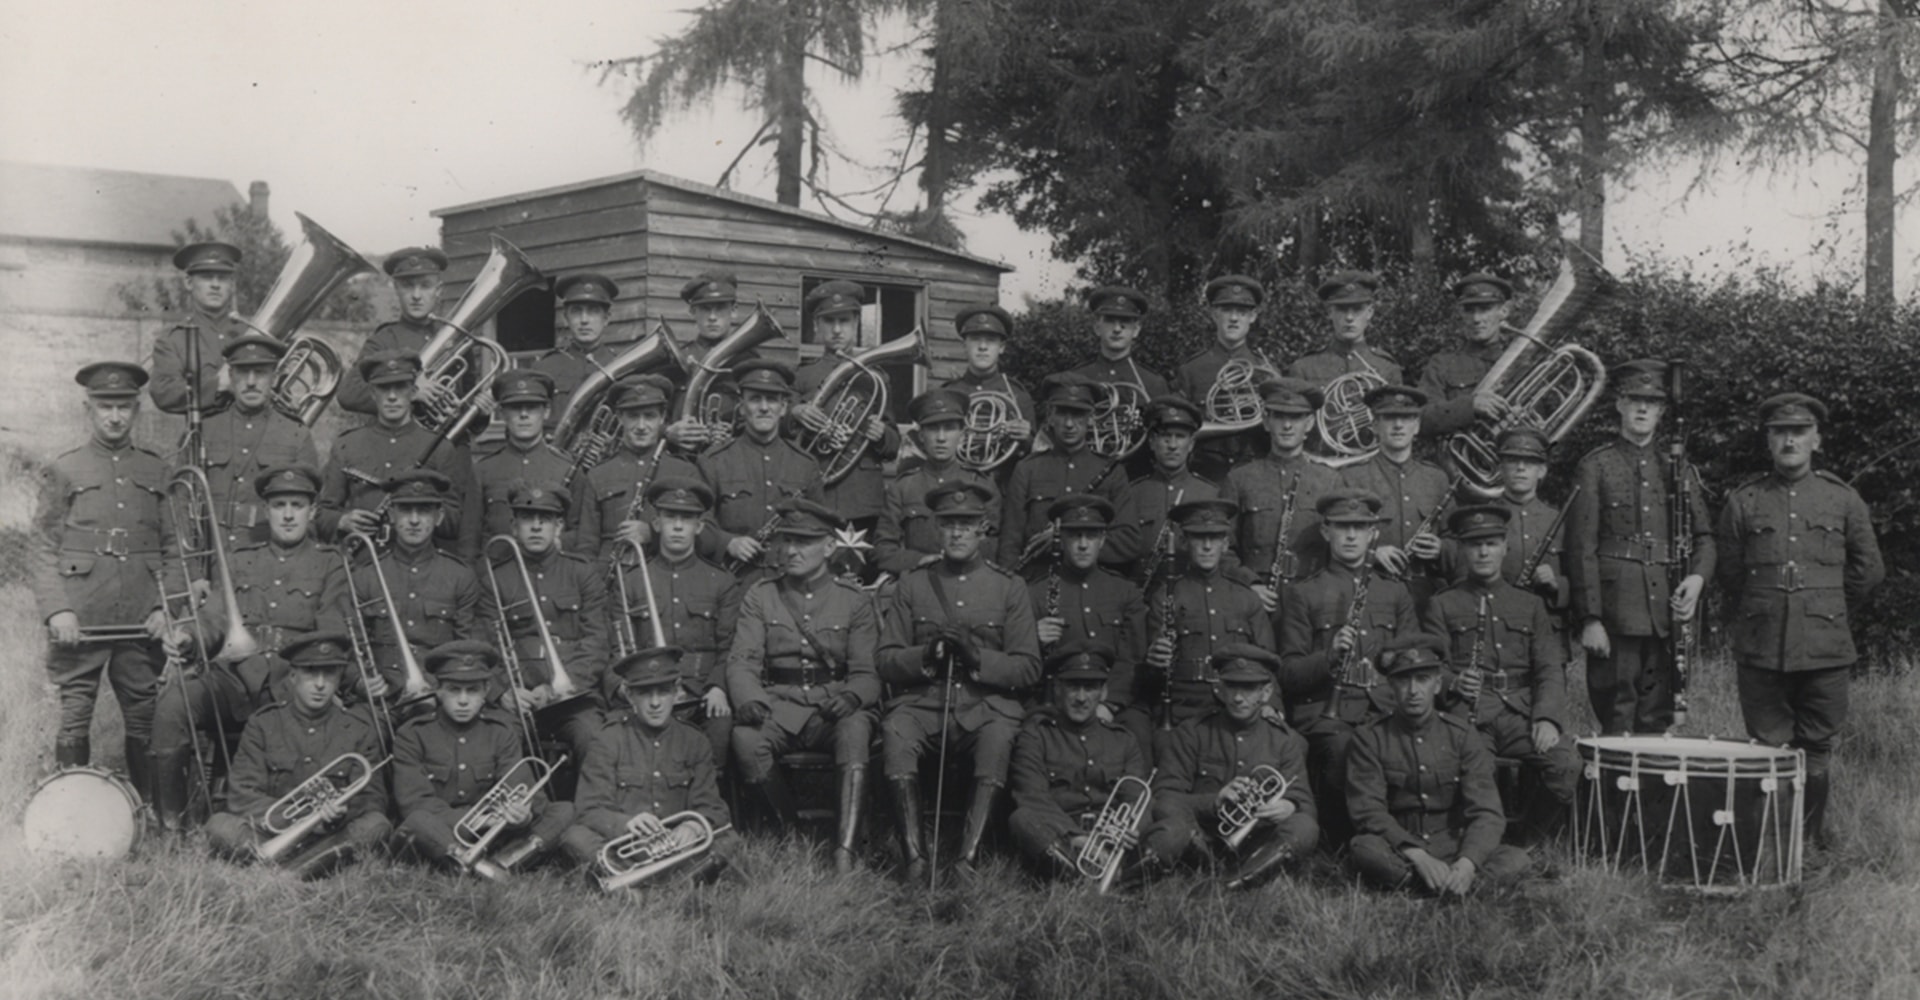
{"points": [[700, 402], [293, 817], [589, 428], [460, 365], [1548, 386], [1099, 859], [985, 444], [853, 393], [1119, 426], [630, 859], [308, 374]]}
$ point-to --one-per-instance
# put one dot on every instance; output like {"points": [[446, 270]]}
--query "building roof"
{"points": [[92, 205], [692, 187]]}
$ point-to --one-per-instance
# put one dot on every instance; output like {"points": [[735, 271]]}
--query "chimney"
{"points": [[257, 199]]}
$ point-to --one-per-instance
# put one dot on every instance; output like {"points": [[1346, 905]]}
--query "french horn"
{"points": [[852, 394]]}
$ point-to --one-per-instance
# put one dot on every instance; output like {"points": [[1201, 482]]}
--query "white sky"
{"points": [[367, 116]]}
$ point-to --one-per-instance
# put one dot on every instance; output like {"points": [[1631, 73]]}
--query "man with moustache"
{"points": [[756, 470], [250, 437], [367, 457]]}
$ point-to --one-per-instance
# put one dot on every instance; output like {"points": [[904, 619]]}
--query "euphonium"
{"points": [[291, 819], [201, 548], [853, 393], [414, 684], [984, 442], [1237, 811], [1100, 856], [561, 683], [699, 401], [1547, 386], [308, 374], [589, 428], [630, 859], [461, 364], [1119, 426], [486, 820]]}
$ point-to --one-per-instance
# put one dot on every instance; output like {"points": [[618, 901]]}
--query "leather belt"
{"points": [[1792, 576], [115, 542], [1641, 549], [810, 673]]}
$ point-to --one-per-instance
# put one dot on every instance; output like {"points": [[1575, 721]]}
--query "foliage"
{"points": [[263, 250]]}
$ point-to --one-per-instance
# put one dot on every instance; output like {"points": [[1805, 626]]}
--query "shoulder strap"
{"points": [[806, 631]]}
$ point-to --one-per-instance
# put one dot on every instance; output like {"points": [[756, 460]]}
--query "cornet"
{"points": [[630, 859], [293, 817], [1237, 811], [1100, 857], [487, 819]]}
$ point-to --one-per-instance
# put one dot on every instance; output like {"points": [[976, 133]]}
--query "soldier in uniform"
{"points": [[906, 536], [1197, 607], [302, 734], [571, 591], [1523, 464], [417, 274], [1618, 545], [860, 494], [1451, 379], [957, 648], [1420, 787], [711, 298], [250, 437], [1068, 467], [287, 587], [445, 763], [1233, 304], [1067, 761], [1327, 674], [1117, 311], [1212, 759], [612, 495], [1508, 665], [365, 458], [1349, 300], [756, 470], [1144, 502], [984, 329], [1411, 490], [1797, 553], [586, 303], [105, 528], [1284, 485], [699, 604], [436, 598], [645, 768], [211, 271], [523, 456], [1076, 602], [801, 671]]}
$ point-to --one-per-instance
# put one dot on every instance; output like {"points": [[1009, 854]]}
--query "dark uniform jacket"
{"points": [[285, 593], [1041, 479], [1449, 381], [629, 771], [695, 351], [1518, 647], [1429, 786], [168, 387], [907, 532], [570, 366], [502, 465], [1195, 378], [1793, 556], [239, 447], [992, 605], [774, 663], [604, 497], [441, 768], [1138, 514], [861, 492], [354, 395], [699, 607], [1205, 754], [747, 479], [1409, 493], [1063, 773], [1311, 611], [1617, 539], [971, 382], [573, 600], [1260, 488], [1322, 367], [1128, 371], [436, 596], [102, 528], [1526, 532], [282, 747], [1210, 609], [1100, 609], [382, 453]]}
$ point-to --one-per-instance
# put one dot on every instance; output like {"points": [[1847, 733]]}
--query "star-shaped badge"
{"points": [[854, 540]]}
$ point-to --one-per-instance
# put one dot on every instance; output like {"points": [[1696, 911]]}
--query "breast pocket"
{"points": [[1618, 517], [1826, 538], [1764, 539], [439, 620]]}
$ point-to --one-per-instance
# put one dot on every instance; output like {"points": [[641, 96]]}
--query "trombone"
{"points": [[632, 858], [487, 819], [297, 813], [414, 684], [562, 684], [625, 641], [198, 539], [1099, 859]]}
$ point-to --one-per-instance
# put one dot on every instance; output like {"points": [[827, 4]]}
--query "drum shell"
{"points": [[83, 812]]}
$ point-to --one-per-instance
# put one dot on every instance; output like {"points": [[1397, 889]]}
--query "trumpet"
{"points": [[562, 685], [632, 858], [852, 394], [487, 819], [293, 817], [1099, 859], [305, 378], [700, 402], [1264, 787], [414, 685], [985, 444], [1118, 428], [589, 428], [457, 357]]}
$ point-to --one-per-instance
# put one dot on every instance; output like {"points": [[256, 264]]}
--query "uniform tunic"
{"points": [[1102, 369], [993, 607], [772, 662], [1141, 509], [570, 366], [1037, 482], [1322, 367], [401, 335], [1409, 492], [383, 453], [240, 446], [168, 387], [573, 600], [436, 597], [442, 768], [861, 493], [503, 465], [1210, 609], [1204, 755], [605, 496], [695, 351], [629, 770], [748, 478], [1099, 608], [1526, 532], [1426, 785], [907, 531], [283, 746], [1194, 379], [1260, 488], [1449, 381], [1311, 613], [1061, 776], [699, 605]]}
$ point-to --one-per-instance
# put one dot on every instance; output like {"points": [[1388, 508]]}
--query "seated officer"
{"points": [[291, 740], [1067, 761], [1191, 613], [801, 670], [446, 762], [906, 536], [957, 647], [1078, 603], [645, 768], [1420, 787], [1211, 760], [1509, 666]]}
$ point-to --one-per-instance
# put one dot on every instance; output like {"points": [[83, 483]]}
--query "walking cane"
{"points": [[945, 657]]}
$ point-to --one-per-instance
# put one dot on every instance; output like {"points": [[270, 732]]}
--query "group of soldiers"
{"points": [[1283, 654]]}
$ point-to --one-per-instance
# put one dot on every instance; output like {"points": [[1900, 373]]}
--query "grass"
{"points": [[172, 923]]}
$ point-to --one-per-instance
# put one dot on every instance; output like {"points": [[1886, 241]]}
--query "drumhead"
{"points": [[1691, 752], [83, 813]]}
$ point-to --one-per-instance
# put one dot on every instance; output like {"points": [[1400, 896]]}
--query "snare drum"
{"points": [[83, 812], [1704, 814]]}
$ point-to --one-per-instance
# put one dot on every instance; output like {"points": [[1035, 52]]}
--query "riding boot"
{"points": [[1819, 787], [71, 753], [979, 810], [779, 800], [173, 788], [853, 794], [906, 819]]}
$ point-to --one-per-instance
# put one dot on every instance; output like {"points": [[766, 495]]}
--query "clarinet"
{"points": [[1052, 610], [1167, 611], [1479, 649], [1539, 554], [1350, 669], [1282, 569], [1679, 539], [637, 507]]}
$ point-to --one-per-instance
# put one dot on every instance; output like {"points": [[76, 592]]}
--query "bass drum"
{"points": [[83, 812]]}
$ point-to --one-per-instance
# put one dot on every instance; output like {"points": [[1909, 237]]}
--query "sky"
{"points": [[368, 116]]}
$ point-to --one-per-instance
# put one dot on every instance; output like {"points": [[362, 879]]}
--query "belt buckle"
{"points": [[1498, 681], [110, 550], [1790, 574]]}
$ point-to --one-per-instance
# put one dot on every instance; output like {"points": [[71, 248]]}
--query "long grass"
{"points": [[172, 923]]}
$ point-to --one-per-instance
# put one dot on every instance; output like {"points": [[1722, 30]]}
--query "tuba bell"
{"points": [[700, 402], [306, 377], [458, 366], [589, 428], [853, 393], [985, 444]]}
